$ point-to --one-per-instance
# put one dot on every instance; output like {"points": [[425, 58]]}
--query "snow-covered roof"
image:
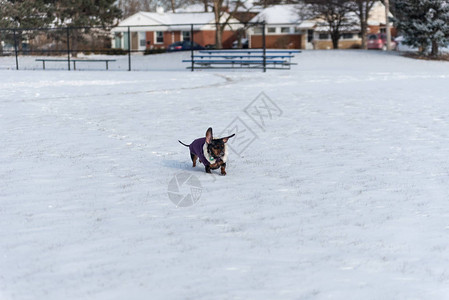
{"points": [[171, 21], [307, 24], [181, 18], [169, 18], [294, 13], [287, 13], [279, 14]]}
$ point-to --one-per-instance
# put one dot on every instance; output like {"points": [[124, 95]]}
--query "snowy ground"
{"points": [[343, 193], [139, 62]]}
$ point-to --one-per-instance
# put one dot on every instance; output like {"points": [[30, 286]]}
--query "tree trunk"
{"points": [[218, 37], [334, 43], [335, 36], [172, 5], [434, 52], [364, 12], [363, 9], [218, 29], [363, 27]]}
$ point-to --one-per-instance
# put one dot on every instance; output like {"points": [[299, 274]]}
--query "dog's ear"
{"points": [[225, 140], [209, 135]]}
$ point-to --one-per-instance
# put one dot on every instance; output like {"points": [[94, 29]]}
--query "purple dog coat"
{"points": [[198, 147]]}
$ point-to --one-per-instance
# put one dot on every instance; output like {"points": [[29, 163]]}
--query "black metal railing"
{"points": [[70, 41]]}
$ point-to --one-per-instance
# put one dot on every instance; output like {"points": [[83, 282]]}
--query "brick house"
{"points": [[150, 30]]}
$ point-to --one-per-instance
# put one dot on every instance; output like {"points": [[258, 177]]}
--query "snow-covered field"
{"points": [[139, 62], [342, 194]]}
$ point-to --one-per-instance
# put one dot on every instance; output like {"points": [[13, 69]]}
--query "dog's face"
{"points": [[216, 147]]}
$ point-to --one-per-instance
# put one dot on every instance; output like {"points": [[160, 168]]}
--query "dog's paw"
{"points": [[223, 173]]}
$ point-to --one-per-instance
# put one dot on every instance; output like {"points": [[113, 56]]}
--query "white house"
{"points": [[286, 27]]}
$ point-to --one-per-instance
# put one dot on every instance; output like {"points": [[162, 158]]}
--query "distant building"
{"points": [[286, 28], [282, 29], [151, 30]]}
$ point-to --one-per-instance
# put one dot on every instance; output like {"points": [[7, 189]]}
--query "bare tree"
{"points": [[219, 11], [362, 9], [222, 17], [266, 3], [206, 5], [130, 7], [334, 14]]}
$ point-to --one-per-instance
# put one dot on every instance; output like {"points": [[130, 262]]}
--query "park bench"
{"points": [[245, 59], [44, 60]]}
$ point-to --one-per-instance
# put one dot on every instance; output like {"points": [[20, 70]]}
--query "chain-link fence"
{"points": [[126, 48]]}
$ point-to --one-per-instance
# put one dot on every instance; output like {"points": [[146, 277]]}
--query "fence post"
{"points": [[15, 49], [68, 48], [264, 46], [129, 48], [191, 46]]}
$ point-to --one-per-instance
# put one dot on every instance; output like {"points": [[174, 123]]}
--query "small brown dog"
{"points": [[213, 153]]}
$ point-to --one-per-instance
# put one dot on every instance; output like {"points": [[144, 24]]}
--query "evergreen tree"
{"points": [[424, 23], [41, 13], [80, 15], [130, 7], [86, 12], [25, 13]]}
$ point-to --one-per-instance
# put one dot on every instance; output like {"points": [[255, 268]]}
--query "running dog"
{"points": [[212, 153]]}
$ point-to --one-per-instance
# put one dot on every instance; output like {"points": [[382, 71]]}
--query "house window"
{"points": [[159, 37], [271, 30], [142, 39], [323, 36], [257, 30], [125, 40], [347, 36], [285, 29], [186, 35], [118, 40]]}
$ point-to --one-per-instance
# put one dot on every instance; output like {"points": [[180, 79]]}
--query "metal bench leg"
{"points": [[107, 67], [43, 65], [74, 65]]}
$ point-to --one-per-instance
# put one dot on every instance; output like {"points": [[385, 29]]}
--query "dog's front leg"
{"points": [[213, 166], [223, 167]]}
